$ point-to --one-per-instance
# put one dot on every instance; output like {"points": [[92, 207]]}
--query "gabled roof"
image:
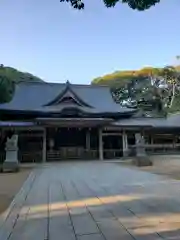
{"points": [[43, 97], [68, 93]]}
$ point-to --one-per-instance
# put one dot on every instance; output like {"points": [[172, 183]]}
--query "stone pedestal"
{"points": [[141, 158], [142, 161], [11, 163]]}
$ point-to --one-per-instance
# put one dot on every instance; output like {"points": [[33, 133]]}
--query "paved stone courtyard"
{"points": [[93, 201]]}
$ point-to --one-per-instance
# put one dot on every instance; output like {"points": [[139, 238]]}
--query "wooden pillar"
{"points": [[88, 141], [100, 145], [44, 146], [152, 139], [125, 144], [151, 142]]}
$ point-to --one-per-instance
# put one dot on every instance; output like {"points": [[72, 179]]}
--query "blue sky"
{"points": [[55, 42]]}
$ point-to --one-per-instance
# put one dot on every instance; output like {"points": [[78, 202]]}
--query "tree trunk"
{"points": [[173, 95]]}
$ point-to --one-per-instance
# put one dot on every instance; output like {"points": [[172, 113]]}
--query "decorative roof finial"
{"points": [[67, 82]]}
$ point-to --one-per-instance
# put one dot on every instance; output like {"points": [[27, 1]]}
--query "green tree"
{"points": [[7, 88], [140, 5], [172, 78], [8, 78], [140, 93], [167, 87]]}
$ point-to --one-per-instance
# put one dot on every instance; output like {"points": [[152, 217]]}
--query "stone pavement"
{"points": [[93, 201]]}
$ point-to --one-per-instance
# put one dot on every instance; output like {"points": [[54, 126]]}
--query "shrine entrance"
{"points": [[70, 143], [67, 137], [112, 146]]}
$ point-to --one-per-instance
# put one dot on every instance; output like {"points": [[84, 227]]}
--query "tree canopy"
{"points": [[16, 75], [119, 78], [8, 77], [139, 5], [7, 88], [151, 89]]}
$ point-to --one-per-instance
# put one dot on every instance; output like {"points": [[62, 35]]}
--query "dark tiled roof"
{"points": [[31, 96], [172, 121], [16, 124]]}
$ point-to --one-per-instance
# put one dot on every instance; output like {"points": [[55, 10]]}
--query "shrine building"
{"points": [[57, 121]]}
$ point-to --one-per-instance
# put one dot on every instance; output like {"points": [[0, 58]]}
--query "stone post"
{"points": [[11, 163]]}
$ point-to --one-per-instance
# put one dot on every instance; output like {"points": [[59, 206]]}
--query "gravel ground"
{"points": [[164, 165], [10, 184]]}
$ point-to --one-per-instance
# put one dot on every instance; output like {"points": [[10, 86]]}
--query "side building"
{"points": [[67, 121]]}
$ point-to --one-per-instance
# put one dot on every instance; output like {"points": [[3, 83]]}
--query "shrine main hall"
{"points": [[56, 121]]}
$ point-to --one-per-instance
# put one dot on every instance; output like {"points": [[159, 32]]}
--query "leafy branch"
{"points": [[139, 5]]}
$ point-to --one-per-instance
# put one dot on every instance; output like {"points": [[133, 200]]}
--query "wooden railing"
{"points": [[112, 153], [57, 155], [162, 148], [157, 149], [83, 154], [36, 156], [24, 157], [30, 157]]}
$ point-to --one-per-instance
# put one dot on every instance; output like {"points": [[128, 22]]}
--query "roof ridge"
{"points": [[30, 82], [64, 83], [90, 85]]}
